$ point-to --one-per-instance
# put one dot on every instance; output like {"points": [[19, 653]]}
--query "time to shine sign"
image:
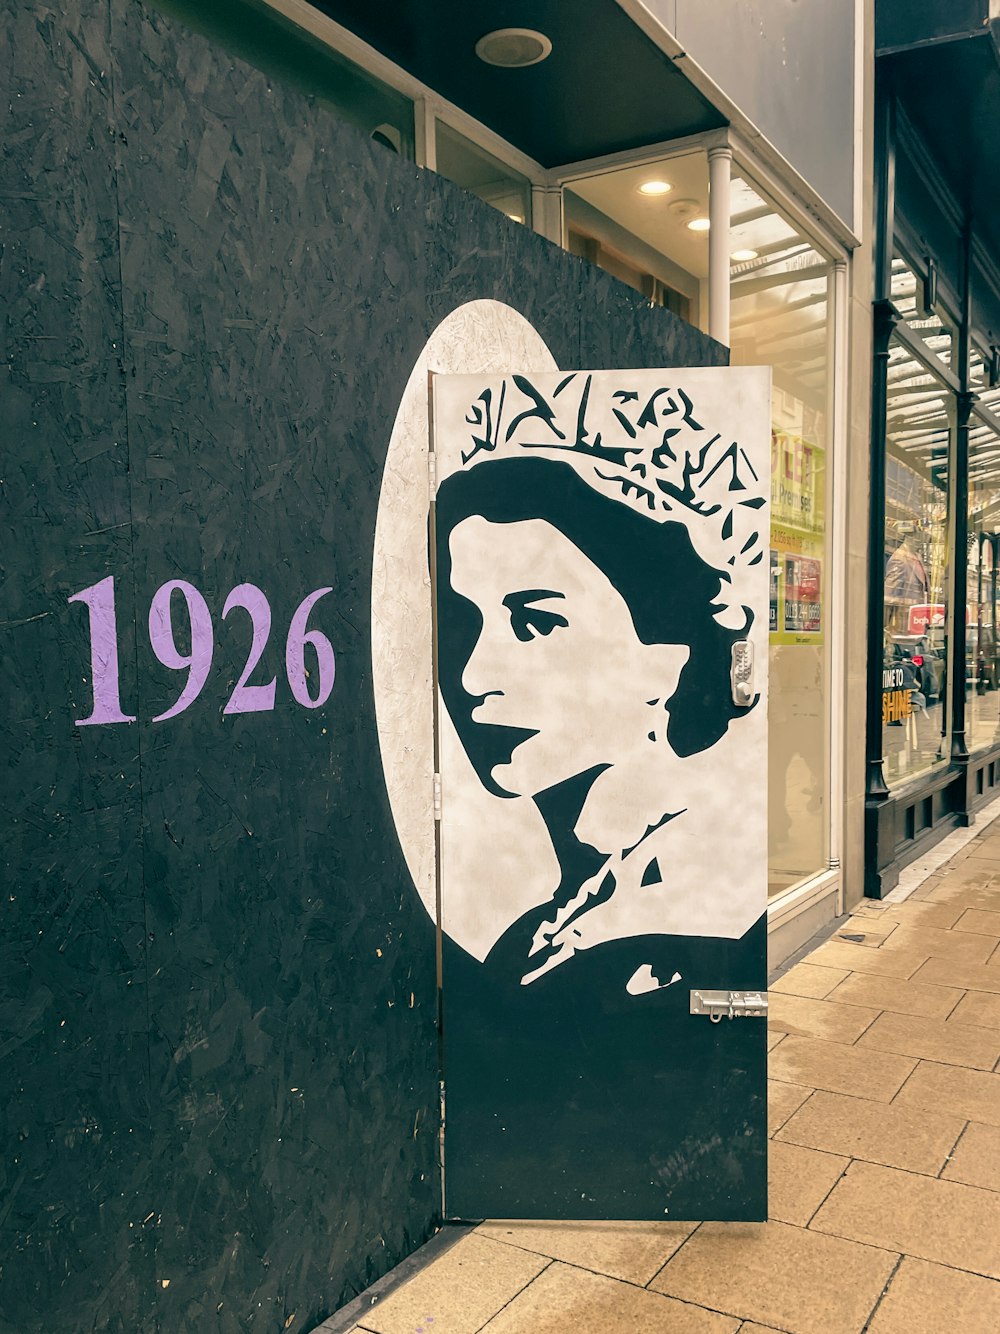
{"points": [[897, 697]]}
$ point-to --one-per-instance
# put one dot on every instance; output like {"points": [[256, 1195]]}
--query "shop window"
{"points": [[482, 174], [917, 614], [627, 270], [984, 377], [647, 225], [914, 294], [780, 317], [982, 651]]}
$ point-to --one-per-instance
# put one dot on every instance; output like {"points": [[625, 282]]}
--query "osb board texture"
{"points": [[219, 1097]]}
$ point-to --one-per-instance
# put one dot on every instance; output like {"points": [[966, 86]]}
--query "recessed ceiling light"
{"points": [[516, 217], [654, 188], [699, 225], [742, 256], [513, 48]]}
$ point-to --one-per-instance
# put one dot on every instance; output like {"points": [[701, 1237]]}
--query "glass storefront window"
{"points": [[647, 225], [482, 174], [981, 651], [917, 612], [780, 317], [979, 378], [936, 329]]}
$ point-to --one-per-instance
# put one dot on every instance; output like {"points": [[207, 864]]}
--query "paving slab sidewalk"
{"points": [[884, 1115]]}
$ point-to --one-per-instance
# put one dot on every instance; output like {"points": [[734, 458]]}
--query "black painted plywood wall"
{"points": [[218, 1051]]}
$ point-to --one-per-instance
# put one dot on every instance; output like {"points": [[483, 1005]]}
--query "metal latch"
{"points": [[720, 1005], [741, 673]]}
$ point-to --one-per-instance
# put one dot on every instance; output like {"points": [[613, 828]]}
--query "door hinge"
{"points": [[441, 1125], [720, 1005], [437, 796]]}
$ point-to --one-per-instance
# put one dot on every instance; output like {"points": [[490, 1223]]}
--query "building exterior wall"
{"points": [[797, 89]]}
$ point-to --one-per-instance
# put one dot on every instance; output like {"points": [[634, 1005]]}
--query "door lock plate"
{"points": [[719, 1005], [741, 673]]}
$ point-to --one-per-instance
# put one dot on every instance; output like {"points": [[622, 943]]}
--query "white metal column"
{"points": [[720, 161], [547, 212], [837, 580]]}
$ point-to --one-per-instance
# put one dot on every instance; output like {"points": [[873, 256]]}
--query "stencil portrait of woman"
{"points": [[589, 603], [582, 666], [598, 554]]}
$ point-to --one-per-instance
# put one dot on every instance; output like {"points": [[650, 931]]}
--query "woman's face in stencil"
{"points": [[557, 654]]}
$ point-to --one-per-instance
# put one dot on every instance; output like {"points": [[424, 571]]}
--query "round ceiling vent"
{"points": [[513, 48], [682, 209]]}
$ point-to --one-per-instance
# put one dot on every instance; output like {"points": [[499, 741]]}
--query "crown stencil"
{"points": [[649, 450]]}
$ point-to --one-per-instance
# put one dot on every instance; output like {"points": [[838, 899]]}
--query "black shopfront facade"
{"points": [[933, 714]]}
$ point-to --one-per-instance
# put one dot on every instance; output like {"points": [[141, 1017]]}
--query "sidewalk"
{"points": [[885, 1163]]}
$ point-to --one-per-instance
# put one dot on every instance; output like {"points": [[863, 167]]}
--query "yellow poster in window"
{"points": [[798, 522]]}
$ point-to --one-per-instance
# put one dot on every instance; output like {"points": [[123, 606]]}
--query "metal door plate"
{"points": [[729, 1004]]}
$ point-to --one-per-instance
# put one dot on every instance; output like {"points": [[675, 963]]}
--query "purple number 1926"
{"points": [[100, 603]]}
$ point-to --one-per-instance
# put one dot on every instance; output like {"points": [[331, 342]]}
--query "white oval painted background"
{"points": [[481, 337]]}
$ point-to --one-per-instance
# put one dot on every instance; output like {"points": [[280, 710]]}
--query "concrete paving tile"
{"points": [[987, 849], [924, 1296], [458, 1292], [630, 1251], [866, 929], [809, 979], [978, 892], [972, 1094], [884, 962], [913, 911], [935, 1220], [980, 920], [968, 976], [981, 1009], [818, 1018], [799, 1180], [782, 1100], [774, 1036], [780, 1276], [970, 871], [888, 993], [976, 1159], [840, 1069], [913, 1139], [750, 1328], [933, 1040], [567, 1301], [936, 943]]}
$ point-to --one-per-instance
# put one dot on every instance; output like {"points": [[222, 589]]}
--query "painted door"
{"points": [[600, 543]]}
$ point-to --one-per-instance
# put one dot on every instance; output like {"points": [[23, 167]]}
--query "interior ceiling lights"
{"points": [[513, 48], [743, 256], [699, 225], [655, 188]]}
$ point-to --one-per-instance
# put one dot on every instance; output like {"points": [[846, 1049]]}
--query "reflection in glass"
{"points": [[933, 326], [780, 317], [981, 661], [643, 238], [483, 175], [916, 613]]}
